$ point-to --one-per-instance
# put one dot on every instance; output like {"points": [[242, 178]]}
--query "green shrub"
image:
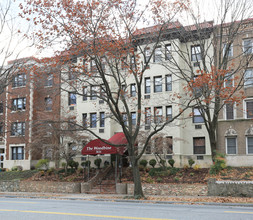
{"points": [[219, 164], [144, 163], [73, 164], [162, 162], [14, 168], [63, 164], [191, 174], [152, 163], [98, 162], [149, 180], [159, 179], [173, 171], [42, 164], [176, 178], [191, 162], [171, 162], [76, 164], [87, 163]]}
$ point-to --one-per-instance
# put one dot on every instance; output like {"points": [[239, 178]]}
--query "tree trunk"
{"points": [[138, 193], [213, 143]]}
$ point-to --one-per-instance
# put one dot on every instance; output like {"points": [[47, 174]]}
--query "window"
{"points": [[247, 46], [249, 109], [103, 63], [124, 117], [132, 62], [124, 63], [133, 90], [248, 78], [195, 53], [18, 104], [168, 83], [133, 116], [158, 84], [72, 75], [231, 145], [102, 119], [199, 145], [168, 52], [147, 85], [148, 149], [197, 117], [93, 67], [93, 92], [48, 104], [228, 52], [229, 80], [1, 128], [73, 59], [249, 145], [17, 153], [93, 120], [85, 120], [229, 110], [72, 98], [169, 143], [158, 55], [49, 80], [85, 93], [147, 54], [147, 116], [102, 91], [1, 108], [19, 80], [18, 128], [158, 114], [168, 113]]}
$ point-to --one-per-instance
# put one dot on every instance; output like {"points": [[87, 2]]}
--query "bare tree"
{"points": [[107, 58], [214, 70]]}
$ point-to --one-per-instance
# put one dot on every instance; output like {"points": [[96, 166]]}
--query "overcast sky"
{"points": [[207, 9]]}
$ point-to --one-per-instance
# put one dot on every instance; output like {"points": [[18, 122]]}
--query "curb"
{"points": [[129, 200]]}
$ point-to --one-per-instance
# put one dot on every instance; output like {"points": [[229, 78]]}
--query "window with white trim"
{"points": [[133, 116], [199, 146], [93, 120], [229, 110], [19, 80], [168, 55], [168, 82], [132, 90], [72, 98], [147, 85], [196, 53], [229, 80], [147, 116], [158, 54], [248, 78], [17, 153], [102, 119], [249, 108], [85, 93], [228, 52], [247, 46], [231, 145], [158, 84], [18, 104], [197, 117], [158, 114], [168, 113], [18, 129], [147, 54], [249, 145]]}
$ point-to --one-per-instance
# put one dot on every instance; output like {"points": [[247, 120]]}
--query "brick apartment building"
{"points": [[32, 97]]}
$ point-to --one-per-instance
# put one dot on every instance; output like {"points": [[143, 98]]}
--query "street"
{"points": [[26, 209]]}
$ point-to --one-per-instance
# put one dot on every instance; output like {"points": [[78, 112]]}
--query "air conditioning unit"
{"points": [[147, 127], [198, 126], [101, 101], [71, 108], [146, 96], [101, 130], [168, 157], [196, 64], [200, 157]]}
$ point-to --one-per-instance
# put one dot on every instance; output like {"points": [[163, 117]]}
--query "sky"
{"points": [[22, 47]]}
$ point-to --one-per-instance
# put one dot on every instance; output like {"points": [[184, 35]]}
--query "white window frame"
{"points": [[244, 51], [227, 77], [236, 145], [249, 78], [247, 149], [225, 111], [230, 51], [245, 107]]}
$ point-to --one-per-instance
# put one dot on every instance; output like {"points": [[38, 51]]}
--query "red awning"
{"points": [[97, 146]]}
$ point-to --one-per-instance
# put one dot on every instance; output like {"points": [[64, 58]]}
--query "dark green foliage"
{"points": [[191, 162], [97, 162], [152, 163], [219, 164], [171, 162], [106, 163], [42, 164], [73, 164], [173, 170], [144, 163], [162, 162], [12, 175]]}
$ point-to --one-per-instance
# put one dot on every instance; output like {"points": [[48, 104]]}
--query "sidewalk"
{"points": [[189, 200]]}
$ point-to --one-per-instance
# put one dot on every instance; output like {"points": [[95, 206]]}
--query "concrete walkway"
{"points": [[191, 200]]}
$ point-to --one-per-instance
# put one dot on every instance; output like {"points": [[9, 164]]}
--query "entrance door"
{"points": [[1, 160]]}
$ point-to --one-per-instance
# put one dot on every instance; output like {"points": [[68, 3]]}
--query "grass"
{"points": [[16, 175]]}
